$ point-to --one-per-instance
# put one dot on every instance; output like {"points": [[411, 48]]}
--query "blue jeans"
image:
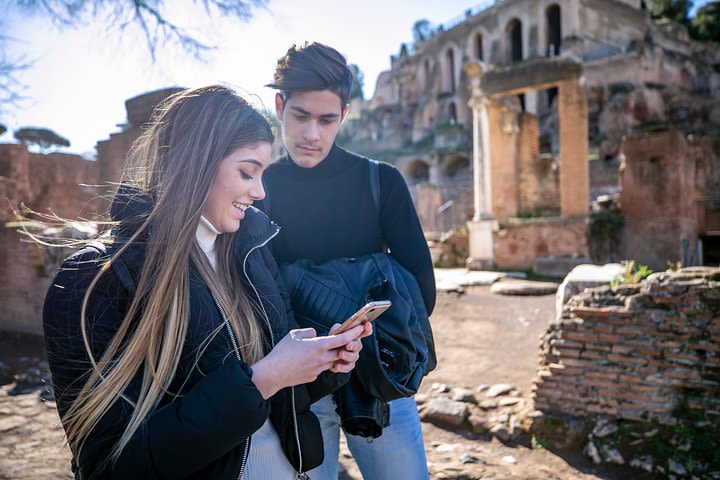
{"points": [[398, 454]]}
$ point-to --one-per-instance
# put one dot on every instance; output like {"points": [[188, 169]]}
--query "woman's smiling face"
{"points": [[237, 184]]}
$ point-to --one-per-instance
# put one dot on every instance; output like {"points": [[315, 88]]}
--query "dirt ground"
{"points": [[481, 338]]}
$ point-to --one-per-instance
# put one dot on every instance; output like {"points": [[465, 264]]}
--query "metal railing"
{"points": [[481, 7]]}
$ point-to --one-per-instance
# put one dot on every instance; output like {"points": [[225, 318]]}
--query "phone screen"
{"points": [[367, 313]]}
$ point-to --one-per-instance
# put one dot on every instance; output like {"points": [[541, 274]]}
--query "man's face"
{"points": [[311, 121]]}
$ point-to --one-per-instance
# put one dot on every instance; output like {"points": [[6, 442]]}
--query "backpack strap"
{"points": [[118, 266], [373, 165], [375, 183]]}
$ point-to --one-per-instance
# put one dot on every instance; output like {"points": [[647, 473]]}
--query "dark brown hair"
{"points": [[313, 66]]}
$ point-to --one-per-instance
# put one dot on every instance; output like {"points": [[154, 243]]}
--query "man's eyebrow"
{"points": [[305, 112]]}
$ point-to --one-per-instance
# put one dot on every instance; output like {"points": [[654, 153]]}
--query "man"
{"points": [[320, 194]]}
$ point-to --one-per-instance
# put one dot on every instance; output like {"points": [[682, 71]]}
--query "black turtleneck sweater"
{"points": [[328, 212]]}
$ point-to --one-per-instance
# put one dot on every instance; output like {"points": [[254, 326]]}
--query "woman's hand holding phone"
{"points": [[301, 356], [349, 354], [366, 314]]}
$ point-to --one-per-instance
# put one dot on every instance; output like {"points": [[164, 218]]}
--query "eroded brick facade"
{"points": [[636, 352], [67, 186]]}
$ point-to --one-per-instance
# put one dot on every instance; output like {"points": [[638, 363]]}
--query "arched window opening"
{"points": [[551, 95], [479, 47], [554, 30], [514, 37], [428, 80], [418, 171], [450, 55], [457, 167]]}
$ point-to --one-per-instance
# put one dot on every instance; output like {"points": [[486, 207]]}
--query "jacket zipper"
{"points": [[246, 450], [248, 439], [300, 472]]}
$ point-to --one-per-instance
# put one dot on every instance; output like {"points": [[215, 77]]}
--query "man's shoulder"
{"points": [[279, 164], [384, 166]]}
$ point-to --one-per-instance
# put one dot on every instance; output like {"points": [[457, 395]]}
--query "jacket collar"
{"points": [[256, 229], [131, 207]]}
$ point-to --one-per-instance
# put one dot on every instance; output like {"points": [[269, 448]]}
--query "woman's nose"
{"points": [[258, 191]]}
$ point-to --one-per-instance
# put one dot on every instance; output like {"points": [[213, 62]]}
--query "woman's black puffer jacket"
{"points": [[202, 433]]}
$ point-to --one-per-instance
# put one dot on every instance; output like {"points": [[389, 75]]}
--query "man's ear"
{"points": [[344, 113], [279, 105]]}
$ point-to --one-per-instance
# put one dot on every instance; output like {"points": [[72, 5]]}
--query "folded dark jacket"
{"points": [[401, 350]]}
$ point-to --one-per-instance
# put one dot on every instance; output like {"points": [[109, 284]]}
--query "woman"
{"points": [[172, 348]]}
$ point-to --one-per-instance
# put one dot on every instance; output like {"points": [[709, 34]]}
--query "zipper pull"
{"points": [[303, 476]]}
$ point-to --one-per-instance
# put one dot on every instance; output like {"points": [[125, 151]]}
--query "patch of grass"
{"points": [[633, 274], [537, 442]]}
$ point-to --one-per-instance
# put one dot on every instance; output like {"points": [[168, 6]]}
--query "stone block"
{"points": [[557, 267]]}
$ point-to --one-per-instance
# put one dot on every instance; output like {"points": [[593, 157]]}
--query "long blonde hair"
{"points": [[173, 163]]}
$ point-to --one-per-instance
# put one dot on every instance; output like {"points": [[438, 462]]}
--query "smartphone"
{"points": [[368, 313]]}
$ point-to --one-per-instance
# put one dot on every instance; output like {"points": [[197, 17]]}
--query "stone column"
{"points": [[435, 175], [573, 133], [481, 227], [481, 144]]}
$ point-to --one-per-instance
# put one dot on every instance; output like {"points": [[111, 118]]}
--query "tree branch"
{"points": [[147, 15]]}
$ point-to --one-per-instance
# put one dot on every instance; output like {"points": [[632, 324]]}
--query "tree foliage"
{"points": [[675, 10], [3, 129], [10, 85], [706, 22], [422, 31], [704, 26], [358, 83], [42, 137], [149, 16]]}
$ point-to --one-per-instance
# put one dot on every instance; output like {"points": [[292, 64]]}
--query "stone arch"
{"points": [[416, 171], [514, 40], [457, 167]]}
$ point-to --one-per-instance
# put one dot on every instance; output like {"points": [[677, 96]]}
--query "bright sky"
{"points": [[81, 77]]}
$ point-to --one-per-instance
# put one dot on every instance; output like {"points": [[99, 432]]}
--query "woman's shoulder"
{"points": [[79, 269]]}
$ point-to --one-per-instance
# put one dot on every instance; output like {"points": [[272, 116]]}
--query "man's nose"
{"points": [[312, 131]]}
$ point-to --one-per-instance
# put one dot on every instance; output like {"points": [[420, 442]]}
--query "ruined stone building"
{"points": [[67, 186], [556, 96]]}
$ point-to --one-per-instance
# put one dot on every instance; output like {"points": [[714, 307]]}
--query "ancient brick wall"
{"points": [[539, 184], [504, 133], [14, 179], [658, 199], [64, 185], [636, 352], [45, 184], [518, 243]]}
